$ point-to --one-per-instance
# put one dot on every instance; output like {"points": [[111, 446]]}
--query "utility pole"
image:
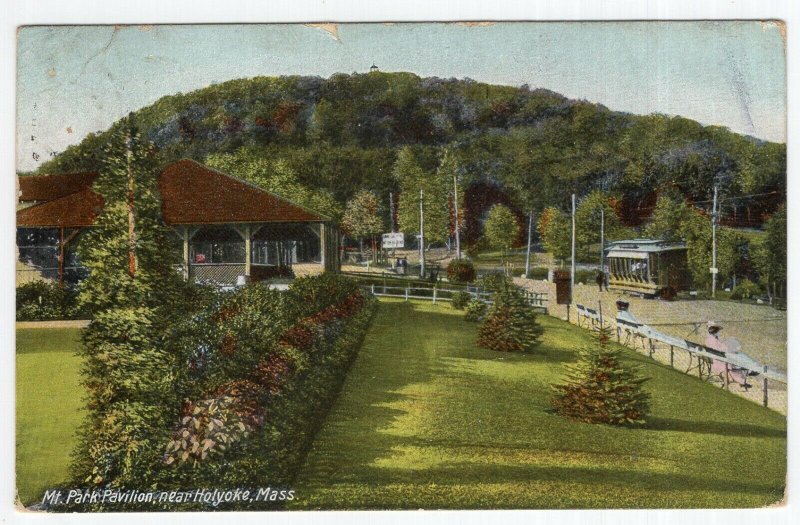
{"points": [[421, 237], [714, 269], [603, 241], [391, 211], [457, 227], [528, 252], [572, 266]]}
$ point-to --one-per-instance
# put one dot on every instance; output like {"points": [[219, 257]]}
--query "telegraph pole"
{"points": [[572, 266], [391, 211], [714, 269], [602, 241], [457, 226], [421, 238], [528, 252]]}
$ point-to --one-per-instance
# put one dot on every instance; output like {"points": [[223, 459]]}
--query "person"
{"points": [[600, 280], [718, 367]]}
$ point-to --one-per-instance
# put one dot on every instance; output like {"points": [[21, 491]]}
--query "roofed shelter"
{"points": [[225, 227]]}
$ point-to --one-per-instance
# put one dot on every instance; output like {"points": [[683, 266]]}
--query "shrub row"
{"points": [[48, 301], [255, 372]]}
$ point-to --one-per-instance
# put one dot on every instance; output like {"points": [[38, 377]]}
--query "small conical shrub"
{"points": [[601, 389], [510, 325]]}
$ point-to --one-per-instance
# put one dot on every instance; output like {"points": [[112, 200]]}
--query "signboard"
{"points": [[562, 280], [393, 240], [714, 270]]}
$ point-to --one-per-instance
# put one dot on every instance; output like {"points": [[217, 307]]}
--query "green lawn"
{"points": [[427, 420], [48, 407]]}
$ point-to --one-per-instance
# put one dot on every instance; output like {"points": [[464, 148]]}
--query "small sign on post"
{"points": [[393, 240]]}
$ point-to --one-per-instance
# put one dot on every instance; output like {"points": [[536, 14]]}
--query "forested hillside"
{"points": [[530, 147]]}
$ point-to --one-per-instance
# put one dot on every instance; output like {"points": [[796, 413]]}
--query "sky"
{"points": [[72, 80]]}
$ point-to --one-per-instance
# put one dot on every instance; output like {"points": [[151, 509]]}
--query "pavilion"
{"points": [[226, 230]]}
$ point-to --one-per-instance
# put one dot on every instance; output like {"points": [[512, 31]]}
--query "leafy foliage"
{"points": [[599, 388], [460, 300], [436, 197], [133, 290], [460, 271], [510, 325], [501, 229], [344, 132], [770, 255], [476, 309], [361, 217], [46, 301], [555, 231]]}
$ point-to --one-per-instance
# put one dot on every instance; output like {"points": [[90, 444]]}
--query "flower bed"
{"points": [[255, 373]]}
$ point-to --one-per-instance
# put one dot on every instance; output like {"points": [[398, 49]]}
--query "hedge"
{"points": [[255, 373]]}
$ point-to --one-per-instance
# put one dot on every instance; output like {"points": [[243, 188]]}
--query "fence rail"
{"points": [[439, 293], [735, 372]]}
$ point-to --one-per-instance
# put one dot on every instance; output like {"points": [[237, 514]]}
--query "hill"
{"points": [[342, 134]]}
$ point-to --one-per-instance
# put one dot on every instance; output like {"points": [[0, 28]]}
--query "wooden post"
{"points": [[323, 245], [185, 253], [248, 256], [671, 356], [406, 293], [766, 388], [61, 257], [372, 288], [725, 379], [434, 294]]}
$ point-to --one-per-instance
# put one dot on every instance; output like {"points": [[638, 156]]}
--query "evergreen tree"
{"points": [[599, 388], [511, 324], [133, 287]]}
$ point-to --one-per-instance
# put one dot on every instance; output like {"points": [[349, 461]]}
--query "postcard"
{"points": [[393, 266]]}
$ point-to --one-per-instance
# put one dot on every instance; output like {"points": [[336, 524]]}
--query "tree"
{"points": [[769, 256], [448, 172], [275, 176], [132, 287], [435, 200], [555, 231], [501, 230], [674, 220], [588, 216], [600, 388], [361, 217], [511, 323]]}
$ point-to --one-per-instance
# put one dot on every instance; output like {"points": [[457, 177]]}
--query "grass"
{"points": [[427, 420], [48, 407]]}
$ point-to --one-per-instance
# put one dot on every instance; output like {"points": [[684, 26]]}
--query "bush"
{"points": [[746, 289], [460, 300], [495, 281], [47, 301], [586, 276], [460, 271], [268, 364], [601, 389], [539, 272], [511, 324], [476, 309]]}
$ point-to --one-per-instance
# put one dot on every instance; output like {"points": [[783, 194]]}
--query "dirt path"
{"points": [[78, 323], [761, 329]]}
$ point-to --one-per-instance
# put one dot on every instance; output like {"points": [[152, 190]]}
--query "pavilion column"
{"points": [[185, 235], [61, 257], [247, 251], [323, 245]]}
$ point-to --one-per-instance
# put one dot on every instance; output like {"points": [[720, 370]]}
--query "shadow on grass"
{"points": [[713, 427]]}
